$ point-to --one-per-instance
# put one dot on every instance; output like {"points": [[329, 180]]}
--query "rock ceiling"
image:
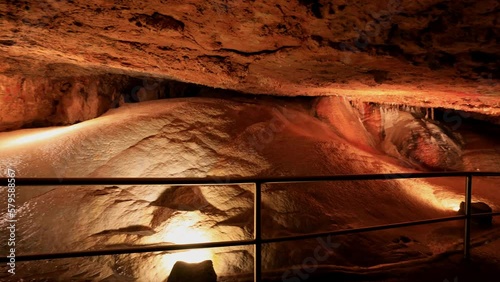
{"points": [[431, 53]]}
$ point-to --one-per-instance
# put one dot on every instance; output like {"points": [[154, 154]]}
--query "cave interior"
{"points": [[252, 122]]}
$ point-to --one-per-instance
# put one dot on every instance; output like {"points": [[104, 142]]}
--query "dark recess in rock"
{"points": [[404, 239], [393, 51], [379, 75], [446, 59], [437, 26], [65, 87], [483, 57], [7, 42], [314, 7], [331, 10], [441, 6], [439, 60], [139, 230], [318, 39], [182, 198], [158, 21]]}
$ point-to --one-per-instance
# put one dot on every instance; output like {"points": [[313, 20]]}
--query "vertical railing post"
{"points": [[468, 212], [257, 232]]}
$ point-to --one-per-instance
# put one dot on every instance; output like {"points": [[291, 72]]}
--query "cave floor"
{"points": [[427, 256], [483, 266]]}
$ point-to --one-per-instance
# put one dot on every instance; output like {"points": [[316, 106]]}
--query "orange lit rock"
{"points": [[43, 101], [219, 139], [415, 140], [426, 53]]}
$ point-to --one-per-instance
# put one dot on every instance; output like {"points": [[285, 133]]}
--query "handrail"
{"points": [[235, 243], [257, 241], [215, 180]]}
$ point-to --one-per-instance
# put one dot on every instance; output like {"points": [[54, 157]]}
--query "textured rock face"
{"points": [[412, 138], [423, 143], [35, 101], [424, 53], [199, 137], [43, 101]]}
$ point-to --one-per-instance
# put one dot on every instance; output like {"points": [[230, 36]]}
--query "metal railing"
{"points": [[257, 241]]}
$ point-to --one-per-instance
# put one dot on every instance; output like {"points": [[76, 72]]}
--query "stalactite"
{"points": [[394, 108]]}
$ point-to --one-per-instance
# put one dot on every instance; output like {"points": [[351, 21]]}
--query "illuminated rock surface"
{"points": [[200, 137], [42, 101], [428, 53], [67, 62]]}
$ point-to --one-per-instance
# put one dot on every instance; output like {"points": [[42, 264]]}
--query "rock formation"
{"points": [[429, 53], [206, 137]]}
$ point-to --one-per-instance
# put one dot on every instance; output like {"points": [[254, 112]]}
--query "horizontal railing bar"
{"points": [[485, 214], [130, 250], [364, 229], [146, 249], [236, 180]]}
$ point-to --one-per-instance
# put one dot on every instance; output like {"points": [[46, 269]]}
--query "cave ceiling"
{"points": [[426, 53]]}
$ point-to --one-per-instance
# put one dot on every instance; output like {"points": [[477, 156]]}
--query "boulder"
{"points": [[479, 207], [193, 272]]}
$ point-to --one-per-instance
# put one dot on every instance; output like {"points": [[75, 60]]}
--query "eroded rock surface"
{"points": [[430, 53], [45, 101], [411, 137], [215, 138]]}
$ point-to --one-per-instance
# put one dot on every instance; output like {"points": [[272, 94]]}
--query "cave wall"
{"points": [[408, 135], [44, 101], [220, 140], [430, 53], [79, 95]]}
